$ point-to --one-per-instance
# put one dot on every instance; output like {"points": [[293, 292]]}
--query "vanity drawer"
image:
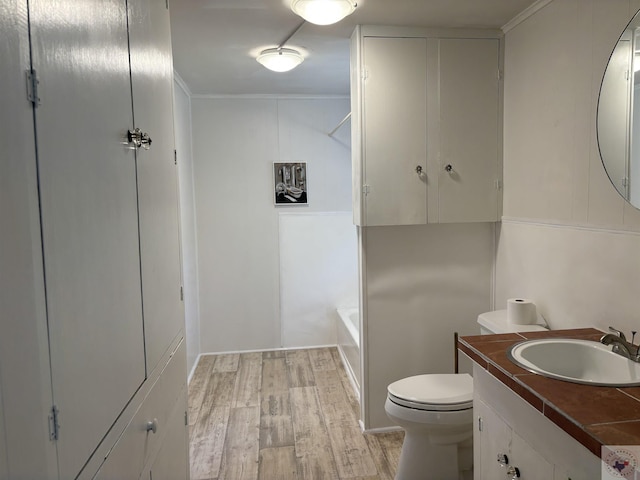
{"points": [[139, 443]]}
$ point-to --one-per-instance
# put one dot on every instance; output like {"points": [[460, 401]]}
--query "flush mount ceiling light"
{"points": [[280, 59], [323, 12]]}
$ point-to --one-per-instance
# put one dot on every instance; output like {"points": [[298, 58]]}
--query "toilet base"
{"points": [[422, 460]]}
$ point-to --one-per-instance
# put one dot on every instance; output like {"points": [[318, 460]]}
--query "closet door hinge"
{"points": [[32, 87], [175, 157], [54, 426], [365, 74], [186, 418], [498, 184], [480, 425], [181, 293], [366, 189], [499, 74]]}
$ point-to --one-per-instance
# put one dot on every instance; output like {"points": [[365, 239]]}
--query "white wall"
{"points": [[422, 284], [182, 122], [318, 273], [568, 240], [235, 142]]}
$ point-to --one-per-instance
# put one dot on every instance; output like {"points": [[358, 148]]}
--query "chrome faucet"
{"points": [[620, 344]]}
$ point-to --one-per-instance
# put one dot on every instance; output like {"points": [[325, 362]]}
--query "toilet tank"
{"points": [[497, 322]]}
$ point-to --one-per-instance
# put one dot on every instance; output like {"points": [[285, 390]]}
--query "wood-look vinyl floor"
{"points": [[285, 415]]}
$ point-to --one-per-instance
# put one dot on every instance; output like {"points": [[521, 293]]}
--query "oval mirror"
{"points": [[618, 118]]}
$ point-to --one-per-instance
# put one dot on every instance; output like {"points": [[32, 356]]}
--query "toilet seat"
{"points": [[434, 392]]}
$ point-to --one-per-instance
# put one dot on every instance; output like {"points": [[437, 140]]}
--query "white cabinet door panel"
{"points": [[395, 129], [492, 436], [152, 83], [469, 126], [172, 462], [24, 348], [87, 183], [531, 464]]}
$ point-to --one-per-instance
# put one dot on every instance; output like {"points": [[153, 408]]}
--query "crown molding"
{"points": [[526, 13]]}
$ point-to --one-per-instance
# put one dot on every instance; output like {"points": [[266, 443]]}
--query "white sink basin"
{"points": [[578, 361]]}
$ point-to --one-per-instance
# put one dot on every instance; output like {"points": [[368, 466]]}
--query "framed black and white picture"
{"points": [[290, 183]]}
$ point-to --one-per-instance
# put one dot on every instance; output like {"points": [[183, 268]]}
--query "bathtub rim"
{"points": [[345, 316]]}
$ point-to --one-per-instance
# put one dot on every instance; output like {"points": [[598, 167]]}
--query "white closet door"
{"points": [[87, 183], [25, 373], [152, 83], [395, 126]]}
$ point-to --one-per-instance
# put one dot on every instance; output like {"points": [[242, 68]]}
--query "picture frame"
{"points": [[290, 183]]}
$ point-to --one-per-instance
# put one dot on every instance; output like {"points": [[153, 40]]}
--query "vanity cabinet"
{"points": [[497, 448], [96, 209], [505, 424], [426, 126]]}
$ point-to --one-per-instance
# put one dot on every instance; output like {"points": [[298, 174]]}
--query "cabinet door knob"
{"points": [[145, 141], [514, 472], [503, 459], [419, 170], [152, 426], [138, 138], [135, 137], [449, 168]]}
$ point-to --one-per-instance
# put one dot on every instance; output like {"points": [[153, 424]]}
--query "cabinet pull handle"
{"points": [[152, 426]]}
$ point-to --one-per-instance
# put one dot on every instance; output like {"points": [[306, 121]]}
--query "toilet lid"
{"points": [[434, 392]]}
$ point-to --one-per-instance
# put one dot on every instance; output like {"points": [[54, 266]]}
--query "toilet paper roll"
{"points": [[521, 311]]}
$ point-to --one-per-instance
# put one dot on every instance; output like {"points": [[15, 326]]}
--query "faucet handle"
{"points": [[618, 332]]}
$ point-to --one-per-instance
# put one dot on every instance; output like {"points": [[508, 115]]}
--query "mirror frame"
{"points": [[618, 104]]}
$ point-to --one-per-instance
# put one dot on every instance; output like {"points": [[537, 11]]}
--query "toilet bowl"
{"points": [[436, 413]]}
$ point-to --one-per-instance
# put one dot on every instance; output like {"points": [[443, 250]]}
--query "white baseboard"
{"points": [[281, 349], [379, 430], [193, 369]]}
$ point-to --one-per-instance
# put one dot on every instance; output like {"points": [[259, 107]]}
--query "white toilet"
{"points": [[436, 413]]}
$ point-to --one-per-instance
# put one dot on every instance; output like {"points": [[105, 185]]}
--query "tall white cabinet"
{"points": [[91, 339], [426, 111]]}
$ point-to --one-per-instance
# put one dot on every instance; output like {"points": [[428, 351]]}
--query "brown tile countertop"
{"points": [[594, 416]]}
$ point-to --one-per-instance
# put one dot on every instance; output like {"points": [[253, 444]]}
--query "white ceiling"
{"points": [[215, 42]]}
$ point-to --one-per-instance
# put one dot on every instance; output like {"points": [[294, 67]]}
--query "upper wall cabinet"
{"points": [[426, 107]]}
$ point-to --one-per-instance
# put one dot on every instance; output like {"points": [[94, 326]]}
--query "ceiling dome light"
{"points": [[323, 12], [280, 59]]}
